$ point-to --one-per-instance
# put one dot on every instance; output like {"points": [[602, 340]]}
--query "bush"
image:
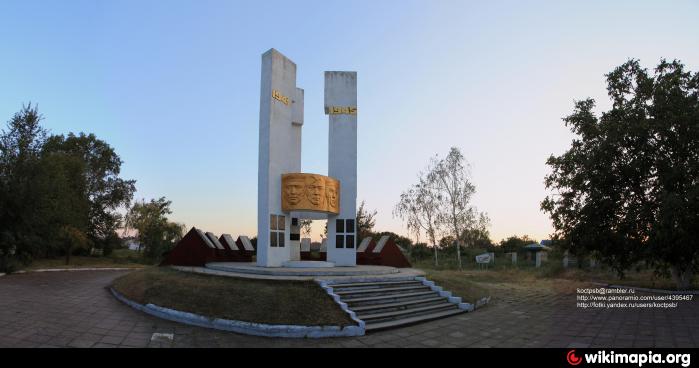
{"points": [[421, 251], [551, 268], [8, 264], [110, 243]]}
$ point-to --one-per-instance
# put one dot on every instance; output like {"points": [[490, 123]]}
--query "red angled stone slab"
{"points": [[193, 250], [389, 255]]}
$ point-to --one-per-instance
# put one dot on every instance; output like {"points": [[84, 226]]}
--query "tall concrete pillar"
{"points": [[341, 106], [281, 118]]}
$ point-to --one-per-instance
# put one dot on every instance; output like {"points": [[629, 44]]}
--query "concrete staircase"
{"points": [[387, 303]]}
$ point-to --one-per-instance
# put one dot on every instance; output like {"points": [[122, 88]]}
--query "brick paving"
{"points": [[74, 309]]}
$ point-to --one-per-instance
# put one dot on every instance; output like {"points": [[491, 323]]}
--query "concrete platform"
{"points": [[308, 264], [346, 274], [306, 272]]}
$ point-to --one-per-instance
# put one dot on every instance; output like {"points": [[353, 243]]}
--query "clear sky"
{"points": [[173, 86]]}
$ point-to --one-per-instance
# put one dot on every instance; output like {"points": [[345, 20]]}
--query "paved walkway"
{"points": [[74, 309]]}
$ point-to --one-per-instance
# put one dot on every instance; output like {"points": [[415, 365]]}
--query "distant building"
{"points": [[132, 244]]}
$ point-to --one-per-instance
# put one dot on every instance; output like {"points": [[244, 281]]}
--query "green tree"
{"points": [[477, 234], [61, 213], [365, 222], [53, 189], [105, 190], [446, 243], [452, 177], [419, 207], [72, 238], [628, 187], [515, 243], [306, 226], [155, 232], [20, 149]]}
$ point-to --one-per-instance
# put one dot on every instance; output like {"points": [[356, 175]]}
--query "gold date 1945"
{"points": [[341, 110]]}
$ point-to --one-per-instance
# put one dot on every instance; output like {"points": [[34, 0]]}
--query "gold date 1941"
{"points": [[280, 97]]}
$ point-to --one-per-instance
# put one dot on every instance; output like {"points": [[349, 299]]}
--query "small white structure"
{"points": [[132, 244], [539, 251], [295, 251], [484, 258], [306, 244]]}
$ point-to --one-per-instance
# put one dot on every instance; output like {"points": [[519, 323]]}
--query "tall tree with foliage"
{"points": [[155, 232], [628, 187], [365, 221], [61, 214], [515, 243], [57, 194], [419, 207], [105, 190], [452, 178], [477, 235], [20, 151]]}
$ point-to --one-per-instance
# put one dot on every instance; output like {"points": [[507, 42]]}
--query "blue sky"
{"points": [[173, 86]]}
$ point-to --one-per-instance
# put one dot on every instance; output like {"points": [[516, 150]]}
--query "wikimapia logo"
{"points": [[604, 357]]}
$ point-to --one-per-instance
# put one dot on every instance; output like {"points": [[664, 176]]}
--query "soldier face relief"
{"points": [[331, 196], [310, 192], [315, 188], [294, 191]]}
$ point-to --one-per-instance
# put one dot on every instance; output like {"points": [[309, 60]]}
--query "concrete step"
{"points": [[406, 312], [383, 291], [397, 305], [374, 284], [412, 320], [383, 298]]}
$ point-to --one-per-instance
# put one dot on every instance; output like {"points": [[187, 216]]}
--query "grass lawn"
{"points": [[459, 284], [262, 301], [500, 284], [642, 278], [118, 259], [552, 272]]}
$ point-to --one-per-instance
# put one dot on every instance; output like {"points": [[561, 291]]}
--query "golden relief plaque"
{"points": [[310, 192]]}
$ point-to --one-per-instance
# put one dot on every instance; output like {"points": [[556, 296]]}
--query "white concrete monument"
{"points": [[281, 118], [341, 106], [285, 194]]}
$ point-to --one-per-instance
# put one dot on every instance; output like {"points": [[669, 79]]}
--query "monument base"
{"points": [[308, 264], [308, 269]]}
